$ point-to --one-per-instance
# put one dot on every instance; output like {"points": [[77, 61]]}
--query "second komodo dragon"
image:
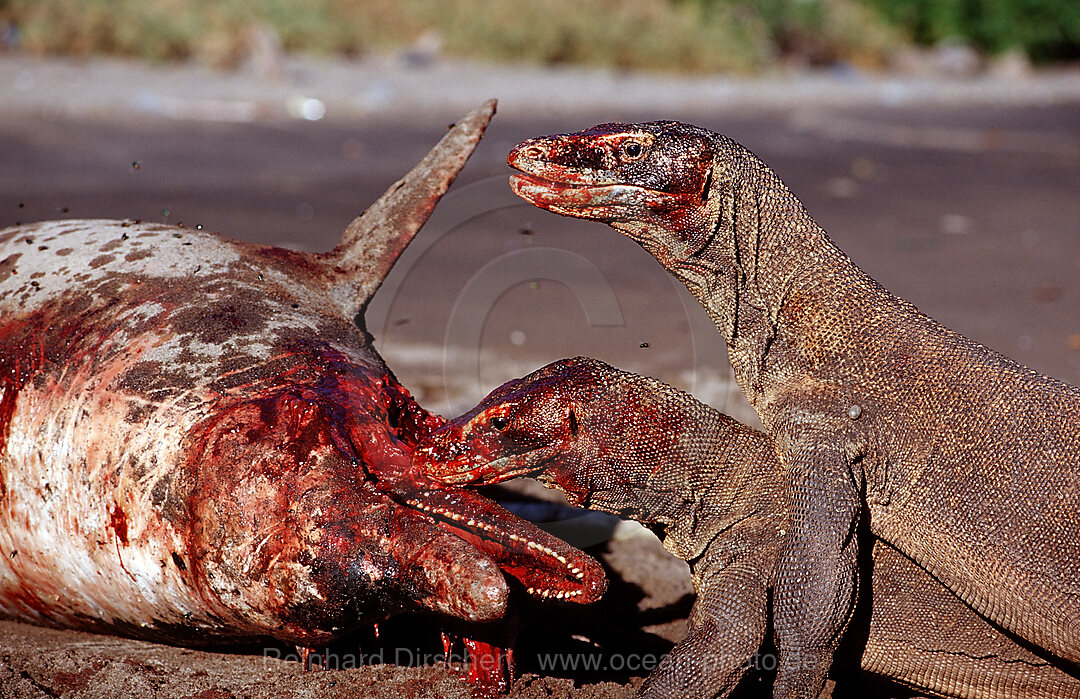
{"points": [[966, 461], [712, 489]]}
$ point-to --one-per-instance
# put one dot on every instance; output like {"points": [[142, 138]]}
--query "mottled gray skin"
{"points": [[964, 460], [198, 443], [712, 489]]}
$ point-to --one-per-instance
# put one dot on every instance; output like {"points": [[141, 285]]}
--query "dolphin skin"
{"points": [[199, 443]]}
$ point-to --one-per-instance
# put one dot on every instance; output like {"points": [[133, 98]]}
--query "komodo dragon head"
{"points": [[710, 211], [630, 176], [524, 427]]}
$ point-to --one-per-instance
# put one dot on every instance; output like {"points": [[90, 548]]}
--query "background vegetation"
{"points": [[1044, 29], [664, 35]]}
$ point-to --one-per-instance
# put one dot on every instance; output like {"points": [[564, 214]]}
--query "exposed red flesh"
{"points": [[489, 666], [297, 472], [172, 463]]}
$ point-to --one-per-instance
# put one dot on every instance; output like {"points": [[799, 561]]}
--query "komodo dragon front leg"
{"points": [[712, 490], [724, 632], [965, 461]]}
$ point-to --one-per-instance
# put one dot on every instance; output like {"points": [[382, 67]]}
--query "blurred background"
{"points": [[938, 141], [699, 36]]}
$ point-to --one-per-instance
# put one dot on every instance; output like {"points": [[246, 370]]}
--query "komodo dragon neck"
{"points": [[794, 310], [725, 225], [690, 476]]}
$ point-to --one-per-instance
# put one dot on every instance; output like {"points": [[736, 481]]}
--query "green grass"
{"points": [[1044, 29]]}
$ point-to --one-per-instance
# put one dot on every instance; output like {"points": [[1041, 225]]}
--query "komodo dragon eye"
{"points": [[499, 422], [631, 150]]}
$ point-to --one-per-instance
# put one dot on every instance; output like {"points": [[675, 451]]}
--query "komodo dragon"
{"points": [[966, 461], [711, 488]]}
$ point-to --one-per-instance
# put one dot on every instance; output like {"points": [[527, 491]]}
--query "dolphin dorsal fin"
{"points": [[373, 241]]}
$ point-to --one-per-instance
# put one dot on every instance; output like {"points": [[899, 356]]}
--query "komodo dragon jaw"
{"points": [[451, 472], [503, 437], [620, 174]]}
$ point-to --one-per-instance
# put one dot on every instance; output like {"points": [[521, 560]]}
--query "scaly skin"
{"points": [[712, 489], [197, 442], [966, 461]]}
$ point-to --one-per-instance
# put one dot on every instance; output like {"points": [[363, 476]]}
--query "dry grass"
{"points": [[661, 35]]}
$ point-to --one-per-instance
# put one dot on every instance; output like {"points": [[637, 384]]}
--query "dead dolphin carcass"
{"points": [[197, 443]]}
